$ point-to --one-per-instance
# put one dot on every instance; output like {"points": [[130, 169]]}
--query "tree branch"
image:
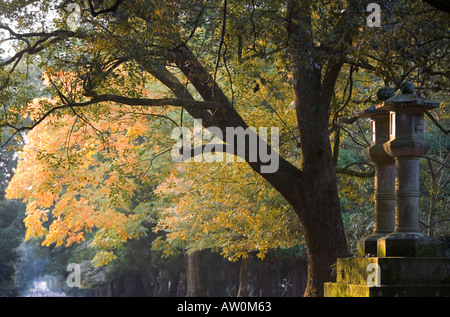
{"points": [[187, 103], [436, 122], [180, 91], [345, 170], [35, 48], [442, 5], [31, 49], [177, 102], [222, 41], [288, 176], [112, 8]]}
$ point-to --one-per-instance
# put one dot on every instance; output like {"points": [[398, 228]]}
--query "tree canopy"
{"points": [[119, 76]]}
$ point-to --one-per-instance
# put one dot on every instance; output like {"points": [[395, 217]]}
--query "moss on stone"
{"points": [[399, 276]]}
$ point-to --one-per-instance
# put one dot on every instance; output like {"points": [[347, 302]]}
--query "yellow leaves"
{"points": [[212, 207], [56, 233], [102, 258], [172, 185], [36, 106], [46, 79]]}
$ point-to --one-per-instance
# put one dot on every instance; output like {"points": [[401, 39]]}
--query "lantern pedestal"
{"points": [[390, 277], [407, 244], [407, 240]]}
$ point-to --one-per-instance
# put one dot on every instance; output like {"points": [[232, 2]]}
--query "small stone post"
{"points": [[407, 145], [163, 280], [384, 199]]}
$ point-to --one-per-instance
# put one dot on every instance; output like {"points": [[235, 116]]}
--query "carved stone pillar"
{"points": [[407, 145], [384, 200]]}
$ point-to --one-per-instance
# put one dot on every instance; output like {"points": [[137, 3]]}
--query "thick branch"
{"points": [[180, 91], [186, 103], [288, 177], [113, 8]]}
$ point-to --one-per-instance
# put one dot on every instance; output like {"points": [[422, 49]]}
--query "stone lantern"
{"points": [[406, 265], [384, 199], [407, 145], [163, 280]]}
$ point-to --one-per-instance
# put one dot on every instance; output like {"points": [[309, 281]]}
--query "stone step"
{"points": [[393, 271], [358, 290]]}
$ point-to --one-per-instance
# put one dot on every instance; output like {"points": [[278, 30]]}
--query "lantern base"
{"points": [[390, 277], [367, 246], [406, 244]]}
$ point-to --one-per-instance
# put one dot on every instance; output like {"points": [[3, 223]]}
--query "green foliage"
{"points": [[11, 227]]}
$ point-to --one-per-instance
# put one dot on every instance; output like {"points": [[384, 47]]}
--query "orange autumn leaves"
{"points": [[81, 170], [79, 177], [79, 181]]}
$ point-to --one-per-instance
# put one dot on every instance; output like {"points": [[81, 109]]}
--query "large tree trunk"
{"points": [[325, 240], [319, 211], [195, 287], [312, 191]]}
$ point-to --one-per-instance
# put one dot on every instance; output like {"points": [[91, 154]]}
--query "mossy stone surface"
{"points": [[398, 276], [354, 290], [395, 271]]}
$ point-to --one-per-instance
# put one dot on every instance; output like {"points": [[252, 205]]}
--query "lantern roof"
{"points": [[383, 93], [407, 98], [371, 111]]}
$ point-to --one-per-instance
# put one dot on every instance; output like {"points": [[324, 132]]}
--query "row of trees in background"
{"points": [[96, 171]]}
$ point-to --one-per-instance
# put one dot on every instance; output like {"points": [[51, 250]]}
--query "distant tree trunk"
{"points": [[195, 287], [155, 282], [243, 278], [299, 276], [133, 285]]}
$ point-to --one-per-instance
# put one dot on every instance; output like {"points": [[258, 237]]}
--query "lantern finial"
{"points": [[385, 93], [407, 88]]}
